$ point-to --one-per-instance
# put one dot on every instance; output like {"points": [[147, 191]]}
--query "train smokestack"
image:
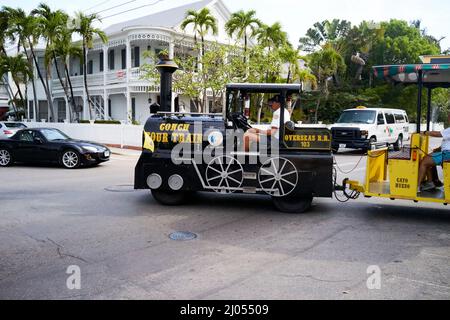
{"points": [[166, 68]]}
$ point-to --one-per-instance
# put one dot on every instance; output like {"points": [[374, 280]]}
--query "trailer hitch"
{"points": [[354, 186]]}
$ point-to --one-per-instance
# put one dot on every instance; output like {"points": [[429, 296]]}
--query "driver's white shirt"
{"points": [[446, 140], [277, 119]]}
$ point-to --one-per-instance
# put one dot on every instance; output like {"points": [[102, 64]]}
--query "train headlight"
{"points": [[215, 138], [176, 182], [154, 181]]}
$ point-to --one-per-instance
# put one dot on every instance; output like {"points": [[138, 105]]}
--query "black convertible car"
{"points": [[51, 145]]}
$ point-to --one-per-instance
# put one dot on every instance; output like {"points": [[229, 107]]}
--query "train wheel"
{"points": [[292, 204], [278, 177], [170, 198]]}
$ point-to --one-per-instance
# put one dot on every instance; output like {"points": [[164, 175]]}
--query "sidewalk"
{"points": [[125, 152]]}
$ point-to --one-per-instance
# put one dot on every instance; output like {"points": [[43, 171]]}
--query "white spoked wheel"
{"points": [[278, 177], [70, 159], [5, 158], [224, 174]]}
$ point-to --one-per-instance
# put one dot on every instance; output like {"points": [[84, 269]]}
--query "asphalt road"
{"points": [[51, 218]]}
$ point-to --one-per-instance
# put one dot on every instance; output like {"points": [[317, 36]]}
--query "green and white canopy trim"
{"points": [[432, 75]]}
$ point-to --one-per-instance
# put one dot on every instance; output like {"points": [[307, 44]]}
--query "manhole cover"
{"points": [[121, 188], [182, 236]]}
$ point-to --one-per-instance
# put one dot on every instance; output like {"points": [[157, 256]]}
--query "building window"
{"points": [[136, 57], [101, 61], [111, 60], [133, 109], [42, 68], [109, 108], [124, 58], [31, 108], [90, 67]]}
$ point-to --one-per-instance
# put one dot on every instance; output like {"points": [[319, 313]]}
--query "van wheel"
{"points": [[398, 145], [170, 198], [292, 204]]}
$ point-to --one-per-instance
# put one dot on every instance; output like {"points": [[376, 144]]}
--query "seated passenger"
{"points": [[436, 159], [254, 134]]}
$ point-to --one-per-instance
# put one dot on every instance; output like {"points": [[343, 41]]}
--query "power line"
{"points": [[145, 5], [116, 6]]}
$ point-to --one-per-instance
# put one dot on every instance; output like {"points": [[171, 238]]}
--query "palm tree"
{"points": [[20, 72], [243, 24], [50, 23], [64, 48], [290, 56], [271, 36], [325, 64], [203, 22], [326, 31], [83, 25], [4, 25], [23, 29]]}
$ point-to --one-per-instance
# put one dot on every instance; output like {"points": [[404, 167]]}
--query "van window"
{"points": [[399, 118], [357, 116], [406, 118], [389, 118], [380, 119]]}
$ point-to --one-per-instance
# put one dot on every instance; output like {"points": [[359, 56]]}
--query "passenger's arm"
{"points": [[434, 134]]}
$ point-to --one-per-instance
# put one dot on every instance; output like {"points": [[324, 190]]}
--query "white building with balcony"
{"points": [[114, 76]]}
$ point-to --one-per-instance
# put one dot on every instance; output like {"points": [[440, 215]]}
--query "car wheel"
{"points": [[5, 158], [399, 143], [170, 198], [70, 159], [292, 204]]}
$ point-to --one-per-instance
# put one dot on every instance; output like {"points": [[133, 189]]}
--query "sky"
{"points": [[296, 16]]}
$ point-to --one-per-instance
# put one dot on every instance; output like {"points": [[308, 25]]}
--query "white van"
{"points": [[362, 127]]}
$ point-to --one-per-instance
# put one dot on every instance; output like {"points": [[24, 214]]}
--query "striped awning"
{"points": [[434, 75]]}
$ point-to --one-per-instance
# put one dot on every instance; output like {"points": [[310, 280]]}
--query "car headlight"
{"points": [[90, 149], [364, 134]]}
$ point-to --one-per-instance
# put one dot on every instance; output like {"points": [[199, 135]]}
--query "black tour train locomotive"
{"points": [[186, 152]]}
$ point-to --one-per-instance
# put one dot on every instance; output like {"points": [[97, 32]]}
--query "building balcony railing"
{"points": [[136, 74], [112, 77]]}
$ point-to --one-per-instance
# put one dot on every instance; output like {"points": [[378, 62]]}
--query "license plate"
{"points": [[107, 153], [342, 146]]}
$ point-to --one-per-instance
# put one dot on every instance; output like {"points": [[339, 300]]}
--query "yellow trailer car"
{"points": [[394, 174]]}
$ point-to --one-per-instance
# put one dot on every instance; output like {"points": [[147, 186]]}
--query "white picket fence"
{"points": [[114, 134], [129, 135]]}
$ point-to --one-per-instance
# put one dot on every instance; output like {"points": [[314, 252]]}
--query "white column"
{"points": [[67, 109], [86, 114], [105, 109], [171, 50], [105, 63], [172, 104], [128, 58], [128, 97]]}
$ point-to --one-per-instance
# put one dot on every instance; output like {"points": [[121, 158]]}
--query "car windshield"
{"points": [[15, 125], [54, 134], [358, 116]]}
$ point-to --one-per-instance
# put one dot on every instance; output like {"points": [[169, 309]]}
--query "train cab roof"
{"points": [[265, 87]]}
